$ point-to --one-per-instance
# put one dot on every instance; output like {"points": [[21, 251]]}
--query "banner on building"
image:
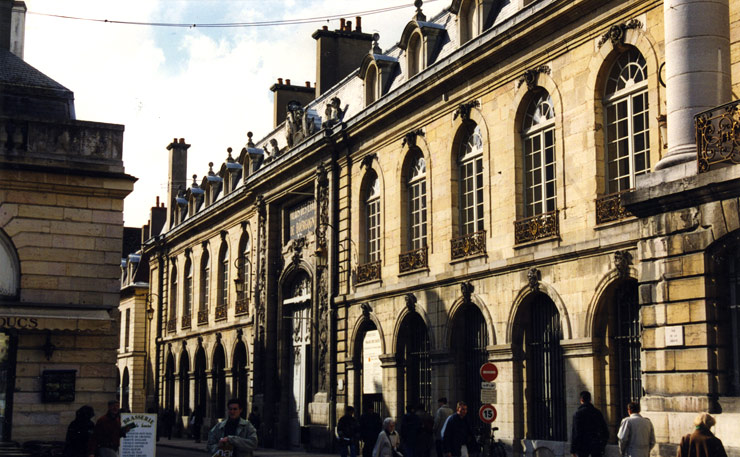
{"points": [[372, 372]]}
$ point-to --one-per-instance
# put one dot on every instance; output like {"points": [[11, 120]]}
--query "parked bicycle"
{"points": [[490, 447]]}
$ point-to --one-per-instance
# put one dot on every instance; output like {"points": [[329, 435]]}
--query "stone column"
{"points": [[697, 69]]}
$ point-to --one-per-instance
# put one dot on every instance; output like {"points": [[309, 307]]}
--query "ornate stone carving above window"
{"points": [[531, 76], [616, 32]]}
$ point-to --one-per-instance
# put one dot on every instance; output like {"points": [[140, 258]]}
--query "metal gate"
{"points": [[475, 340], [545, 374], [417, 369], [628, 344]]}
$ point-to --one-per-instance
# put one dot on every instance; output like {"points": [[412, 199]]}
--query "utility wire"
{"points": [[307, 20]]}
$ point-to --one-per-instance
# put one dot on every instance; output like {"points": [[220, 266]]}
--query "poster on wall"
{"points": [[372, 373], [140, 441]]}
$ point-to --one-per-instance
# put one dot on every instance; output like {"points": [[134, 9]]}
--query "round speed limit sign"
{"points": [[487, 413]]}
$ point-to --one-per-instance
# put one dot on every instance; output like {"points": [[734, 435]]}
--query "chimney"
{"points": [[339, 53], [18, 28], [157, 218], [177, 176], [6, 14], [284, 94]]}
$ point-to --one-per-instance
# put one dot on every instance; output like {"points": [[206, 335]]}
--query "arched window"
{"points": [[223, 277], [245, 247], [184, 377], [627, 122], [372, 219], [470, 166], [416, 185], [188, 299], [538, 137], [413, 358], [205, 286], [9, 268], [218, 374], [125, 391], [468, 343], [413, 55], [371, 85], [169, 383], [467, 19]]}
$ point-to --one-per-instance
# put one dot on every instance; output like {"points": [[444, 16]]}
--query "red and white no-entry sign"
{"points": [[488, 372], [487, 413]]}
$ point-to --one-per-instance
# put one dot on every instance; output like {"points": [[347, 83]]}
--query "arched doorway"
{"points": [[218, 374], [169, 383], [239, 374], [415, 373], [368, 378], [468, 349], [297, 314], [125, 391], [537, 338], [184, 378], [201, 381]]}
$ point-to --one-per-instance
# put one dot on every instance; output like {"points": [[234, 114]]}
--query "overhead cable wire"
{"points": [[307, 20]]}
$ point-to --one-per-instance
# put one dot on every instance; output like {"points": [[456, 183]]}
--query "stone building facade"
{"points": [[62, 185], [513, 182]]}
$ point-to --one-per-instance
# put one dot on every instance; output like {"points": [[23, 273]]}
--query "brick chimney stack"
{"points": [[177, 180], [285, 93], [339, 52], [12, 26]]}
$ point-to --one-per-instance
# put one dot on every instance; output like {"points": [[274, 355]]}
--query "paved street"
{"points": [[188, 448]]}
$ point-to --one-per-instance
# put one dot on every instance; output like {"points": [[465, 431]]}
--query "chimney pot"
{"points": [[325, 27], [308, 83], [182, 140], [341, 24], [358, 24], [157, 201], [287, 81], [280, 80], [349, 26]]}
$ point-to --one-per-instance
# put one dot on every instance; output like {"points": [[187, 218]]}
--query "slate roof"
{"points": [[14, 71]]}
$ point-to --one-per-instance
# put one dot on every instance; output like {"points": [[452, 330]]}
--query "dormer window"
{"points": [[371, 85], [413, 55], [467, 18]]}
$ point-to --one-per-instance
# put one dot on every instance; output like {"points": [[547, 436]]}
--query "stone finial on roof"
{"points": [[419, 16], [376, 48], [250, 143], [210, 169], [229, 159], [195, 181]]}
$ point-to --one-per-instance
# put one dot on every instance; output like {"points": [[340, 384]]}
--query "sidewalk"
{"points": [[181, 443]]}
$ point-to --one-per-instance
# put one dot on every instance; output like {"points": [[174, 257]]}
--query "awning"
{"points": [[23, 317]]}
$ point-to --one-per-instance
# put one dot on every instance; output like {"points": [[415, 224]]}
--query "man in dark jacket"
{"points": [[370, 427], [107, 434], [458, 435], [348, 431], [409, 430], [590, 433]]}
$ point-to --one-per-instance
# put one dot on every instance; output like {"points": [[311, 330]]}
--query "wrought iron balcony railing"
{"points": [[536, 227], [468, 245], [186, 320], [413, 260], [718, 135], [609, 208], [368, 272], [221, 312], [202, 317], [172, 325], [242, 306]]}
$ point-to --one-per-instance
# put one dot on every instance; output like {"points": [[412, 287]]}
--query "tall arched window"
{"points": [[244, 273], [466, 17], [371, 85], [470, 165], [205, 286], [184, 377], [173, 301], [413, 358], [188, 299], [417, 202], [538, 136], [372, 220], [627, 122], [9, 268], [413, 55], [223, 277]]}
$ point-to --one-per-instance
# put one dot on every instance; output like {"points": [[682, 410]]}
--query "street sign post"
{"points": [[488, 372], [487, 414]]}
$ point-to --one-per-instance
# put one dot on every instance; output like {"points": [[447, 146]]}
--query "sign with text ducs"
{"points": [[488, 372], [141, 440], [487, 413]]}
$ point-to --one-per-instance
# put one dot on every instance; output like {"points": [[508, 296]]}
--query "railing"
{"points": [[186, 320], [718, 135], [221, 312], [609, 208], [413, 260], [242, 306], [203, 317], [536, 227], [469, 245], [368, 272], [172, 325]]}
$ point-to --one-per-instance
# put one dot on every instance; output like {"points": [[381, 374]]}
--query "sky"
{"points": [[207, 85]]}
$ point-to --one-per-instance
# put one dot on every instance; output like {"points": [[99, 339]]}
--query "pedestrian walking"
{"points": [[79, 432], [348, 431], [233, 437], [701, 442], [636, 434], [168, 421], [589, 433], [409, 431], [440, 417], [458, 439], [107, 434], [196, 423], [425, 437], [370, 427], [386, 445]]}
